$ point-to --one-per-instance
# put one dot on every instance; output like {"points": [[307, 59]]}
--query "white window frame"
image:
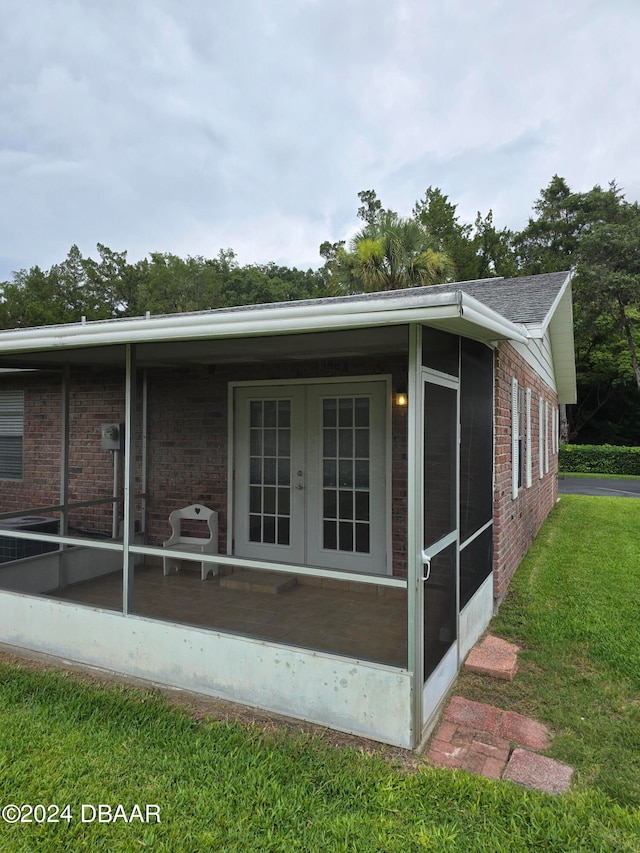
{"points": [[11, 427], [541, 437], [518, 438], [546, 436], [528, 466]]}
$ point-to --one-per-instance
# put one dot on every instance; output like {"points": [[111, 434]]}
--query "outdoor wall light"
{"points": [[400, 398]]}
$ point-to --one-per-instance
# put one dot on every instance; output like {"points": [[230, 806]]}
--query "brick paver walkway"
{"points": [[480, 738], [488, 741]]}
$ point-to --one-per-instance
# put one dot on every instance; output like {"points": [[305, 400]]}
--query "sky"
{"points": [[190, 126]]}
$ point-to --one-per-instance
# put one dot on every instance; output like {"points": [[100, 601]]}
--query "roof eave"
{"points": [[259, 321]]}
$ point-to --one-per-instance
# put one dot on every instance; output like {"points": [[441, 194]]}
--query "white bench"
{"points": [[193, 544]]}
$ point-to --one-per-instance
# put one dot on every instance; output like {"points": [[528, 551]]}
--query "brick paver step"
{"points": [[478, 738], [494, 657]]}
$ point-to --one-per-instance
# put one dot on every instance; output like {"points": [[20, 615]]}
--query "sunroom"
{"points": [[346, 447]]}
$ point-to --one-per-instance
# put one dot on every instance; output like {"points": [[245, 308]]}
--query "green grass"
{"points": [[226, 787], [574, 608], [223, 787]]}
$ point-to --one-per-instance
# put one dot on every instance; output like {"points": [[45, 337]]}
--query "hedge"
{"points": [[598, 459]]}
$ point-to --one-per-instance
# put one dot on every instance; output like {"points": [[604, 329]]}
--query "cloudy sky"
{"points": [[187, 126]]}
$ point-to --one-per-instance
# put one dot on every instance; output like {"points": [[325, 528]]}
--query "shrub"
{"points": [[599, 459]]}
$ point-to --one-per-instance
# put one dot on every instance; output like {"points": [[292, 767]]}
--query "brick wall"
{"points": [[188, 437], [96, 397], [40, 485], [517, 521]]}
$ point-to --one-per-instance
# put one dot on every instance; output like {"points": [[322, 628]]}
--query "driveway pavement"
{"points": [[597, 486]]}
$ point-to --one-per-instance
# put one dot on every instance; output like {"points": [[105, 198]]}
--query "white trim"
{"points": [[447, 380], [541, 437], [515, 461], [546, 436], [415, 588], [437, 684], [475, 535], [274, 319], [527, 439], [314, 380], [475, 616], [436, 687]]}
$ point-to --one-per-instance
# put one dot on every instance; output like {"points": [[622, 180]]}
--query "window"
{"points": [[528, 434], [546, 436], [517, 436], [11, 431]]}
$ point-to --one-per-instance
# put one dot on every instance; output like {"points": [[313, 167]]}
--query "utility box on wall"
{"points": [[112, 436]]}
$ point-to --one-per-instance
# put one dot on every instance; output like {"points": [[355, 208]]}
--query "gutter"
{"points": [[260, 321]]}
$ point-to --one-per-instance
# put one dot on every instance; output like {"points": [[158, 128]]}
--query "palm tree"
{"points": [[391, 253]]}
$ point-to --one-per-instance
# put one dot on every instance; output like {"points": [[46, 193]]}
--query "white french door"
{"points": [[310, 483]]}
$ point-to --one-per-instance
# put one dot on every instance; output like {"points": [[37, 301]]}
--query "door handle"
{"points": [[427, 562]]}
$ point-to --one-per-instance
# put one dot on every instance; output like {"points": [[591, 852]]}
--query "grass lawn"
{"points": [[226, 787], [574, 608]]}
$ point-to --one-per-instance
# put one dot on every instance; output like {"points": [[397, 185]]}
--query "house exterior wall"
{"points": [[90, 467], [188, 441], [518, 520]]}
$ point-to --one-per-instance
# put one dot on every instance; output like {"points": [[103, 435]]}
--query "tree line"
{"points": [[594, 233]]}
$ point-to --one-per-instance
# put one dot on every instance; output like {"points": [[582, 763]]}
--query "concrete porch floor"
{"points": [[352, 619]]}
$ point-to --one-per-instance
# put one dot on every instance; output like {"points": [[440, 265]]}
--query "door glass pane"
{"points": [[270, 471], [345, 458], [440, 622], [440, 440]]}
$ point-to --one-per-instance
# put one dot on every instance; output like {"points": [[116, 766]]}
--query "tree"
{"points": [[371, 209], [493, 249], [609, 279], [388, 253], [478, 251], [439, 218], [563, 234], [550, 240]]}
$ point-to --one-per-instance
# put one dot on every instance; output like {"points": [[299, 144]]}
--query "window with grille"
{"points": [[11, 434], [346, 474]]}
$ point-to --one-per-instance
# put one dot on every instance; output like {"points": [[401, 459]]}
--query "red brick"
{"points": [[524, 730], [473, 714], [537, 771], [493, 768], [446, 731]]}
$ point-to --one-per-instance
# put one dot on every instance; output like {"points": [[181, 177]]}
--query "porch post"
{"points": [[414, 503], [64, 452], [64, 466], [129, 476], [143, 451]]}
